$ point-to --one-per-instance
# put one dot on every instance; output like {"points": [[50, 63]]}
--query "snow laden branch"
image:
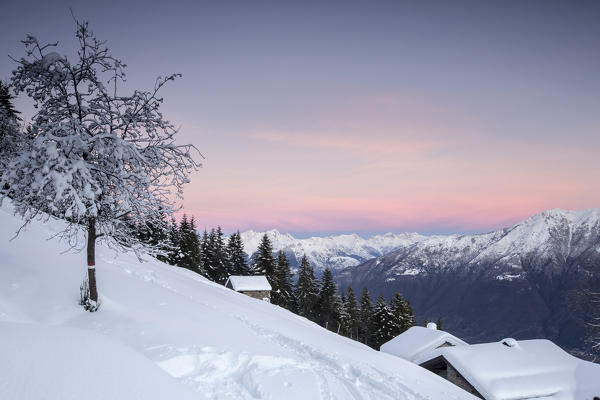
{"points": [[99, 159]]}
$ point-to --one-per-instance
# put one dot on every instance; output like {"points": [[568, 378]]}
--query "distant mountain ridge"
{"points": [[334, 252], [521, 281]]}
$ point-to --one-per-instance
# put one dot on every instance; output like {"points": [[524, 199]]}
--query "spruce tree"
{"points": [[6, 102], [384, 324], [189, 245], [237, 263], [439, 324], [184, 233], [264, 262], [205, 254], [398, 308], [353, 314], [11, 139], [155, 233], [174, 253], [340, 313], [307, 290], [366, 313], [409, 315], [344, 318], [217, 261], [326, 304], [284, 296]]}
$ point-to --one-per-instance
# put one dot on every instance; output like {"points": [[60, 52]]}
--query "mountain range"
{"points": [[334, 252], [525, 281]]}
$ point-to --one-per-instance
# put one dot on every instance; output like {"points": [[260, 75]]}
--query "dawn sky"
{"points": [[367, 117]]}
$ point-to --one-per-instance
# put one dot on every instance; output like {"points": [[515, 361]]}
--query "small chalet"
{"points": [[417, 343], [257, 287], [509, 369]]}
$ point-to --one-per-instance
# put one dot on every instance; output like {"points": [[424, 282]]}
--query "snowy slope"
{"points": [[334, 252], [49, 362], [218, 343]]}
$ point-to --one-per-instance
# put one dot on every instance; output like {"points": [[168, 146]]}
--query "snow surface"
{"points": [[211, 340], [416, 343], [245, 283], [54, 362], [525, 369]]}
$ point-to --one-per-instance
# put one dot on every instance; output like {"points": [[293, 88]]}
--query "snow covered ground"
{"points": [[166, 330]]}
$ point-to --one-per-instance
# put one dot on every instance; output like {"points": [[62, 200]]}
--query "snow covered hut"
{"points": [[509, 369], [416, 343], [257, 287]]}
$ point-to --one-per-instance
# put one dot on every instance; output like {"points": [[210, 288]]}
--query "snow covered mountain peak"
{"points": [[348, 250], [334, 252], [520, 280]]}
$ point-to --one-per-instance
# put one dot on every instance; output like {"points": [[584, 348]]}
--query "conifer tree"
{"points": [[264, 262], [366, 313], [217, 261], [344, 318], [284, 295], [182, 233], [398, 307], [11, 140], [409, 315], [326, 304], [6, 102], [384, 324], [237, 264], [189, 245], [340, 313], [439, 324], [307, 290], [174, 253], [353, 314], [205, 254], [155, 233]]}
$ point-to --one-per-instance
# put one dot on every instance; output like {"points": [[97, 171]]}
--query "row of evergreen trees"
{"points": [[369, 323], [319, 300]]}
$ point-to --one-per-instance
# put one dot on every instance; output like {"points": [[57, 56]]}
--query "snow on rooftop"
{"points": [[524, 369], [415, 343], [249, 283]]}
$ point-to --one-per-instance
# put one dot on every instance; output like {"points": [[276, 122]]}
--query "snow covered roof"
{"points": [[417, 342], [524, 369], [248, 283]]}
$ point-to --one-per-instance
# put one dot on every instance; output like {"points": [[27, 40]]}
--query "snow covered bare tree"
{"points": [[99, 159]]}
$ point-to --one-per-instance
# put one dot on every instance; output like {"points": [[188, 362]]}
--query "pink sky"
{"points": [[388, 167], [366, 117]]}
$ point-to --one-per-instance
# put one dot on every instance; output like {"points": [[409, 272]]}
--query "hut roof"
{"points": [[524, 369], [248, 283], [417, 342]]}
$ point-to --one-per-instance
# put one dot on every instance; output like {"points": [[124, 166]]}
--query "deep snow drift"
{"points": [[214, 343]]}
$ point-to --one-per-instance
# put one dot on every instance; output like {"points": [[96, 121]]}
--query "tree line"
{"points": [[216, 258]]}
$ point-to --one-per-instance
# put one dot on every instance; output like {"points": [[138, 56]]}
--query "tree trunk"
{"points": [[91, 260]]}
